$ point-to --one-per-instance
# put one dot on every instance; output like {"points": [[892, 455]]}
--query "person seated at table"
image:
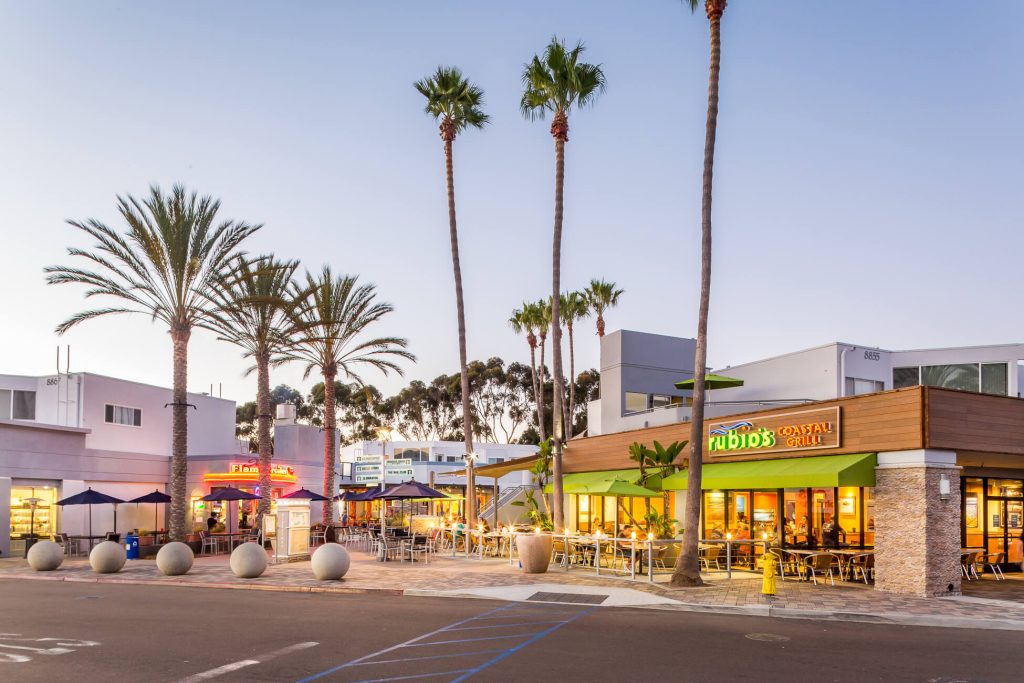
{"points": [[742, 531], [627, 531], [211, 521], [832, 534], [716, 533], [244, 524]]}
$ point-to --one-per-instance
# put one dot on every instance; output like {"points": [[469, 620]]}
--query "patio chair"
{"points": [[388, 548], [823, 563], [969, 565], [862, 565], [658, 557], [992, 562], [208, 542], [710, 555], [317, 534], [786, 562], [559, 554], [416, 545], [111, 536]]}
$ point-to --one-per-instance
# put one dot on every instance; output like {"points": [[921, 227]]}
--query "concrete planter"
{"points": [[534, 552]]}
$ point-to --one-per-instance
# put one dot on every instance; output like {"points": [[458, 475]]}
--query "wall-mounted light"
{"points": [[944, 486]]}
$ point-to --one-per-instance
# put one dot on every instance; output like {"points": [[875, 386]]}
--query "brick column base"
{"points": [[917, 528]]}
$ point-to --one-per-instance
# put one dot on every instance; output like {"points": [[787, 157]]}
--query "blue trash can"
{"points": [[131, 546]]}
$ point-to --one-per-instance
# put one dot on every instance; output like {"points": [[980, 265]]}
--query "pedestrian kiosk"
{"points": [[292, 522]]}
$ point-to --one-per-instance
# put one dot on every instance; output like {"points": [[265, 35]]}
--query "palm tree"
{"points": [[525, 319], [542, 310], [254, 313], [557, 83], [172, 253], [687, 569], [574, 307], [456, 103], [333, 313], [601, 296]]}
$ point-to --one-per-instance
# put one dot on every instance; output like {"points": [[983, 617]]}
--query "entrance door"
{"points": [[1004, 520]]}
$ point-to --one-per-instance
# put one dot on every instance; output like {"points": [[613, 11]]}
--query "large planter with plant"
{"points": [[534, 552]]}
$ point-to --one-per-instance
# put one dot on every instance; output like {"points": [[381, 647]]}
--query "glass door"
{"points": [[1004, 520]]}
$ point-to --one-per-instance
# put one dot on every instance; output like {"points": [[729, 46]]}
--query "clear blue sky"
{"points": [[868, 177]]}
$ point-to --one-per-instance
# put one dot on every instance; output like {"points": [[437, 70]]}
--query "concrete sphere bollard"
{"points": [[174, 559], [108, 557], [330, 562], [45, 556], [248, 561]]}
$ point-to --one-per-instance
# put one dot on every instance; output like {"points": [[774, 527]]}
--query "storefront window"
{"points": [[849, 515], [797, 520], [25, 524], [714, 514], [1005, 488], [764, 524], [869, 517]]}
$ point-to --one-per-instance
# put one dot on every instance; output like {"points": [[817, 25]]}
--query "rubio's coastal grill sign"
{"points": [[797, 431]]}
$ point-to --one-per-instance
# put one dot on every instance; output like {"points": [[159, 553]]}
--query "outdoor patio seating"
{"points": [[317, 534], [969, 565], [709, 556], [992, 562], [413, 547], [209, 543], [862, 566], [823, 563], [71, 546]]}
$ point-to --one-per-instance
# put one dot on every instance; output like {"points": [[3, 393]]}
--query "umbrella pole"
{"points": [[90, 527]]}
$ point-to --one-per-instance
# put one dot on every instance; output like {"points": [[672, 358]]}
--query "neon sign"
{"points": [[250, 472], [803, 430]]}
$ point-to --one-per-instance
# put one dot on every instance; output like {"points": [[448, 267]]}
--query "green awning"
{"points": [[712, 381], [857, 469], [617, 488], [589, 482]]}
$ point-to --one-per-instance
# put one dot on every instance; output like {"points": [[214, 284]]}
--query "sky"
{"points": [[867, 176]]}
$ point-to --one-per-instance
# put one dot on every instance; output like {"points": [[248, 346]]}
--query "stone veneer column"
{"points": [[917, 530]]}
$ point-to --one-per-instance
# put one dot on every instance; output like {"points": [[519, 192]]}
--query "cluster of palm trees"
{"points": [[177, 263], [535, 320], [556, 83]]}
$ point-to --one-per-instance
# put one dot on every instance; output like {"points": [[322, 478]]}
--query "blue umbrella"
{"points": [[228, 494], [90, 498], [306, 494], [157, 498]]}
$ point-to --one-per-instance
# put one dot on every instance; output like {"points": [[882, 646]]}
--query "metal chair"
{"points": [[820, 562], [862, 565], [709, 555], [992, 562], [416, 546], [969, 565], [318, 534], [208, 542]]}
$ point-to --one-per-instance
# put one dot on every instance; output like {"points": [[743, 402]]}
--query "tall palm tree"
{"points": [[456, 103], [557, 83], [171, 254], [333, 314], [687, 569], [601, 296], [253, 305], [574, 307], [525, 319]]}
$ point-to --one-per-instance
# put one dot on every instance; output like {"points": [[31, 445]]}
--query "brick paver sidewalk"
{"points": [[447, 574]]}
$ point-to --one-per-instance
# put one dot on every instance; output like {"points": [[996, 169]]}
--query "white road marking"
{"points": [[12, 658], [241, 664]]}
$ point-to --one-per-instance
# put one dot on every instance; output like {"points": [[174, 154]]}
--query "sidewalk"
{"points": [[986, 604]]}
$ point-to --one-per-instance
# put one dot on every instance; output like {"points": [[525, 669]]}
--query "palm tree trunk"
{"points": [[687, 569], [540, 401], [467, 422], [330, 455], [556, 327], [263, 434], [536, 387], [600, 324], [572, 385], [179, 434]]}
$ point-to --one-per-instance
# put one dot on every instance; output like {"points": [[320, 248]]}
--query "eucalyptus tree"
{"points": [[458, 105], [172, 252], [574, 307], [555, 83], [687, 569], [333, 314], [601, 296], [253, 311]]}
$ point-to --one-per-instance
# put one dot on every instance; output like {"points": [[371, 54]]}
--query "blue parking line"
{"points": [[417, 659], [519, 647], [521, 623], [411, 676]]}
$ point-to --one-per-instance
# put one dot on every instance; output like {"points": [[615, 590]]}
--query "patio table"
{"points": [[91, 539]]}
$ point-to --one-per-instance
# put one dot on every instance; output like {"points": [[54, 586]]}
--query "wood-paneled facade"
{"points": [[984, 428]]}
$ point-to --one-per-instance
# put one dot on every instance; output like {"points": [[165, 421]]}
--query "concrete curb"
{"points": [[893, 618]]}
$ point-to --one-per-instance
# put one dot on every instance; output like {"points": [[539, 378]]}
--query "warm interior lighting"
{"points": [[634, 535], [536, 530], [728, 536], [650, 536]]}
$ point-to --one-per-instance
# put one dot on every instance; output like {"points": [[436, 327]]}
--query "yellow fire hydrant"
{"points": [[768, 576]]}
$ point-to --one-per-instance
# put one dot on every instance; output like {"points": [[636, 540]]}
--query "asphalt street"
{"points": [[54, 631]]}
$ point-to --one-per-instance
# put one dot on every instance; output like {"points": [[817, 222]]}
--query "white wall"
{"points": [[810, 374]]}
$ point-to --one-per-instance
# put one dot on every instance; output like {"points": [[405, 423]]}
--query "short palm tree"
{"points": [[172, 253], [253, 311], [687, 569], [601, 296], [556, 83], [526, 319], [574, 307], [332, 314], [457, 104]]}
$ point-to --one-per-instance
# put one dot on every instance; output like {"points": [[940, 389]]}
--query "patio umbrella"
{"points": [[156, 498], [307, 494], [229, 494], [90, 498], [407, 491], [712, 381]]}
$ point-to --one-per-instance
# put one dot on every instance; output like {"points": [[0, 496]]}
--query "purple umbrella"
{"points": [[307, 494], [90, 498], [229, 494], [157, 498]]}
